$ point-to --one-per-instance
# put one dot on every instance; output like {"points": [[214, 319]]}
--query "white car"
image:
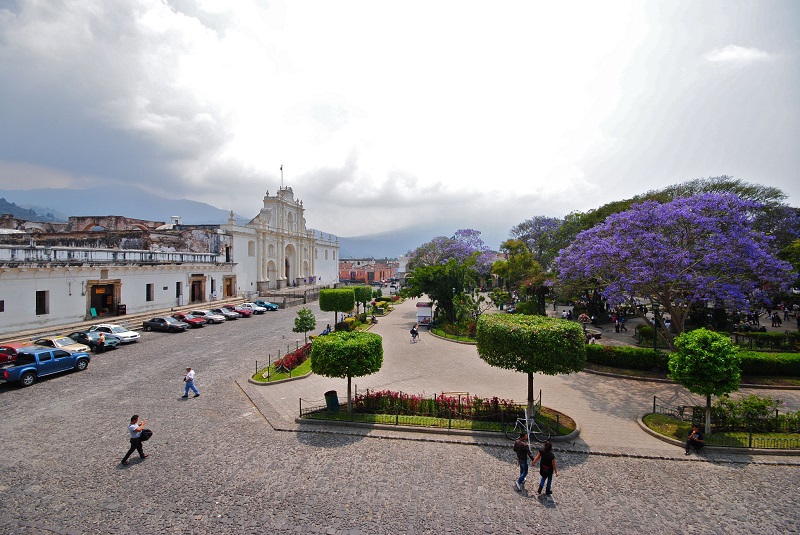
{"points": [[254, 307], [209, 316], [126, 336]]}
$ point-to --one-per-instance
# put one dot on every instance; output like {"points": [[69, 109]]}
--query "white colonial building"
{"points": [[97, 266]]}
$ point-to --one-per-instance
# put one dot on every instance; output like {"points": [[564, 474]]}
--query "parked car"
{"points": [[190, 319], [91, 339], [243, 312], [125, 335], [166, 324], [252, 307], [61, 342], [8, 352], [208, 315], [266, 304], [228, 314], [35, 362]]}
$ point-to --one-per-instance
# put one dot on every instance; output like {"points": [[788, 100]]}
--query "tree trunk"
{"points": [[530, 393], [708, 414], [349, 399]]}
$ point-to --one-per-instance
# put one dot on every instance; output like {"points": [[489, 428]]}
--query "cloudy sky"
{"points": [[390, 115]]}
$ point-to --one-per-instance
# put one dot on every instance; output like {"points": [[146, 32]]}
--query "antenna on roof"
{"points": [[281, 176]]}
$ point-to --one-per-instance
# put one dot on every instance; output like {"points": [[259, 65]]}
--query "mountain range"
{"points": [[53, 204]]}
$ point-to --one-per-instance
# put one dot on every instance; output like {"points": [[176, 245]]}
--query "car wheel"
{"points": [[27, 379], [148, 328], [81, 365]]}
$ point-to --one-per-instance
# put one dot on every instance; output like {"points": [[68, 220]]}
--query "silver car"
{"points": [[209, 316]]}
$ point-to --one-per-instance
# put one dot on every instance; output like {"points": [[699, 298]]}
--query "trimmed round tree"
{"points": [[531, 344], [706, 363], [347, 354], [337, 300]]}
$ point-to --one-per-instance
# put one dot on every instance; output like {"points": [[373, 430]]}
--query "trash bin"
{"points": [[332, 401]]}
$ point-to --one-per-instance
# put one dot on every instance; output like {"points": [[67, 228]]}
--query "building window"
{"points": [[178, 289], [2, 305], [334, 255], [42, 302], [251, 248], [103, 274], [315, 253], [326, 254], [149, 292]]}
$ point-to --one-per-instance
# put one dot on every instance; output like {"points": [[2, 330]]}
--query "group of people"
{"points": [[136, 429], [546, 459]]}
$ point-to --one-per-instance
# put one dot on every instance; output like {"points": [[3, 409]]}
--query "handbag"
{"points": [[146, 434]]}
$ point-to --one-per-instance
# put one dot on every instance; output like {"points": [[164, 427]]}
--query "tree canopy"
{"points": [[531, 344], [337, 300], [706, 363], [690, 250], [347, 354], [521, 272]]}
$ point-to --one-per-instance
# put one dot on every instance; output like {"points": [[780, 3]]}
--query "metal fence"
{"points": [[737, 433]]}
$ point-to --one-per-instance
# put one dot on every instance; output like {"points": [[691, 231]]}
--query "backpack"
{"points": [[146, 434]]}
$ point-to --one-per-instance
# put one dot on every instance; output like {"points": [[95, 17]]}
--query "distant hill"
{"points": [[384, 245], [28, 214], [128, 201]]}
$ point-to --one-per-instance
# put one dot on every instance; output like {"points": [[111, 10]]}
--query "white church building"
{"points": [[100, 266]]}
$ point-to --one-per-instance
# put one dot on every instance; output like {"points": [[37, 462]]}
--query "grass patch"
{"points": [[441, 333], [677, 429], [303, 369], [546, 416]]}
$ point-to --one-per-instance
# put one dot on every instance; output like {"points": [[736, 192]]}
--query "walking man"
{"points": [[523, 454], [135, 430], [188, 381]]}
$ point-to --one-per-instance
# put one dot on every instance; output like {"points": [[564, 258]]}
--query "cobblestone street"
{"points": [[234, 461]]}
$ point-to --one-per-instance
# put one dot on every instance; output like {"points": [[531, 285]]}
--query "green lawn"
{"points": [[677, 429], [303, 369]]}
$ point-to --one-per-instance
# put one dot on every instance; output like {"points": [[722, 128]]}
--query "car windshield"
{"points": [[171, 320], [189, 317], [63, 341], [118, 329]]}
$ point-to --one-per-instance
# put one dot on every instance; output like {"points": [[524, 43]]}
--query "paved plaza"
{"points": [[236, 461]]}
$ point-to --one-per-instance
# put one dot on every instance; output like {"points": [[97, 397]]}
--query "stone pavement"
{"points": [[217, 466]]}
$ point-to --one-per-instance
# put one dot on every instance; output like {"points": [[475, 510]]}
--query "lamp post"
{"points": [[655, 326]]}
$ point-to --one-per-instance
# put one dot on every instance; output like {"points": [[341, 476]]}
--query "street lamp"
{"points": [[655, 326]]}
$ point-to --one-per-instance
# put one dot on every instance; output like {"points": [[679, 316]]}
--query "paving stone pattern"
{"points": [[235, 461]]}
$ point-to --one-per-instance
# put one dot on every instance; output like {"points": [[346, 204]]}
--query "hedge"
{"points": [[638, 358], [633, 358], [760, 363]]}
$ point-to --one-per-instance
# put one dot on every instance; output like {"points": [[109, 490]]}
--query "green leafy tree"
{"points": [[363, 295], [347, 354], [337, 300], [530, 344], [706, 363], [304, 322], [443, 282], [521, 272]]}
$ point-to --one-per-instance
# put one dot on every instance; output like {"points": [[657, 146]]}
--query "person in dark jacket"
{"points": [[547, 467], [523, 452]]}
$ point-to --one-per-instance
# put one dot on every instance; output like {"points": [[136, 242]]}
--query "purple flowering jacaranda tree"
{"points": [[690, 250]]}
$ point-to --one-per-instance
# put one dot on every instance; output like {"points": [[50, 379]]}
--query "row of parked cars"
{"points": [[24, 363], [181, 321]]}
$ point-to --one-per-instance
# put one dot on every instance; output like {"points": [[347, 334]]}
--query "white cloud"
{"points": [[737, 54]]}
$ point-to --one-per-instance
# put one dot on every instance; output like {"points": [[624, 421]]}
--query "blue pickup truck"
{"points": [[34, 362]]}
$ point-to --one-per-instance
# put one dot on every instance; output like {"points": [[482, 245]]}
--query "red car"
{"points": [[243, 312], [193, 321], [8, 352]]}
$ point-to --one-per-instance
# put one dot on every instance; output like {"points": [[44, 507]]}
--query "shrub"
{"points": [[294, 359], [634, 358]]}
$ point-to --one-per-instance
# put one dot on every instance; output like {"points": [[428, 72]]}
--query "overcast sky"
{"points": [[387, 115]]}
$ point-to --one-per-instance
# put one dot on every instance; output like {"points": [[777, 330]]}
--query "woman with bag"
{"points": [[547, 467]]}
